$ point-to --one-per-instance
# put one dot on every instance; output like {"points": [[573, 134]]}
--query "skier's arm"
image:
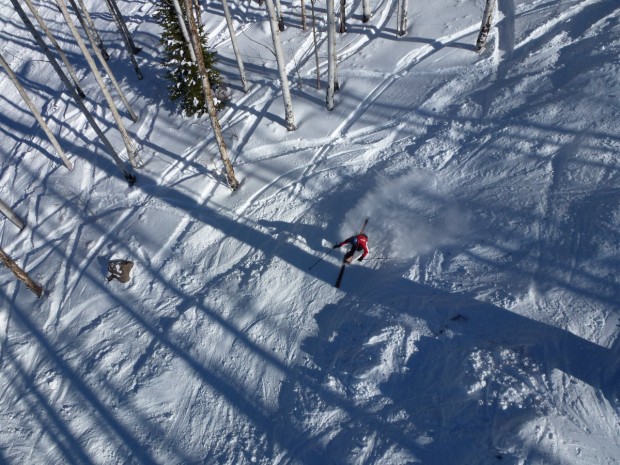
{"points": [[365, 252], [342, 243]]}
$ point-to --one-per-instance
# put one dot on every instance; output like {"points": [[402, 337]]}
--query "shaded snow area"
{"points": [[483, 328]]}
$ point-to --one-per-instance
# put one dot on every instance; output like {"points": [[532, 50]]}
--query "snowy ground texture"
{"points": [[483, 328]]}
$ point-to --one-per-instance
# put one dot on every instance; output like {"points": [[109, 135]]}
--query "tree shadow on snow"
{"points": [[431, 375]]}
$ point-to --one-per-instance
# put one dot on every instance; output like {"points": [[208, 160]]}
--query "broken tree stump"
{"points": [[119, 270]]}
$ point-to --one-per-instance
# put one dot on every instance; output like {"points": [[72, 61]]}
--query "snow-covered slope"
{"points": [[482, 329]]}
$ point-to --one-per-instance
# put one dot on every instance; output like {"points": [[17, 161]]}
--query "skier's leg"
{"points": [[349, 255]]}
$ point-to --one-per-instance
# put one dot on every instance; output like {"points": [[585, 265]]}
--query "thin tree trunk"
{"points": [[10, 214], [316, 48], [54, 43], [125, 37], [277, 45], [217, 129], [366, 13], [280, 16], [107, 69], [129, 144], [402, 25], [184, 31], [303, 15], [20, 274], [485, 28], [233, 39], [331, 55], [89, 26], [117, 12], [36, 113], [343, 17], [127, 173], [396, 28], [197, 11]]}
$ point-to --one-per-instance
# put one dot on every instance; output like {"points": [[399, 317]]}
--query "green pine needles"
{"points": [[185, 84]]}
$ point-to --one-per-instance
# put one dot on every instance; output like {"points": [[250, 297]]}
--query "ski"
{"points": [[345, 263], [364, 225], [339, 280]]}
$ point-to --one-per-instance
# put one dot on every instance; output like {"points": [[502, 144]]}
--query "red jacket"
{"points": [[362, 243]]}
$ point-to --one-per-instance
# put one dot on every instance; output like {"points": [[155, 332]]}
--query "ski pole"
{"points": [[320, 258]]}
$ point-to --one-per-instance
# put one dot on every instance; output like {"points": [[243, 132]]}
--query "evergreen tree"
{"points": [[185, 83]]}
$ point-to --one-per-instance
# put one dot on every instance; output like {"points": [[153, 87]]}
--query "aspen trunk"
{"points": [[331, 55], [366, 14], [343, 17], [53, 41], [121, 21], [129, 144], [402, 24], [124, 35], [233, 39], [184, 31], [279, 15], [485, 28], [20, 274], [277, 45], [36, 113], [6, 211], [303, 15], [217, 129], [127, 173], [89, 27], [107, 69], [316, 49]]}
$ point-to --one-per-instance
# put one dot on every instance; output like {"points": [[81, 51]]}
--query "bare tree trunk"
{"points": [[104, 64], [366, 14], [303, 15], [402, 24], [121, 22], [397, 27], [20, 274], [316, 48], [485, 28], [343, 17], [331, 55], [129, 143], [6, 211], [36, 113], [89, 26], [184, 31], [280, 16], [277, 45], [233, 39], [217, 129], [54, 43], [127, 173], [124, 35]]}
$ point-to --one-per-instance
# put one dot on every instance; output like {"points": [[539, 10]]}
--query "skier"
{"points": [[358, 243]]}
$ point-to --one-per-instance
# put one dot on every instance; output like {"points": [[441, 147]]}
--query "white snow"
{"points": [[482, 329]]}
